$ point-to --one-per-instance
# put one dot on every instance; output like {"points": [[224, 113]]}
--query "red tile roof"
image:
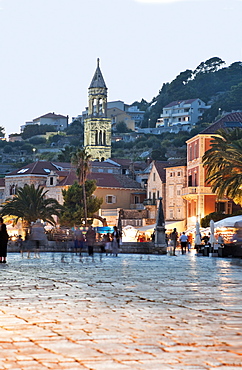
{"points": [[176, 102], [230, 120], [50, 115]]}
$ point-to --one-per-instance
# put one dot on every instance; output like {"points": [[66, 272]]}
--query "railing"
{"points": [[150, 202], [137, 206], [203, 190]]}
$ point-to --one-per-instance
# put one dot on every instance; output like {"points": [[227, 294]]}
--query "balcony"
{"points": [[137, 206], [194, 191], [150, 202]]}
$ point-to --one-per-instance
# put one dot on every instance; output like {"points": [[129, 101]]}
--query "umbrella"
{"points": [[198, 236], [228, 221], [212, 239]]}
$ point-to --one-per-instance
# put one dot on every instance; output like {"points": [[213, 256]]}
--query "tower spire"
{"points": [[98, 80]]}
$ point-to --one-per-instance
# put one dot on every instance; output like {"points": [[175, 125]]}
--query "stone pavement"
{"points": [[129, 312]]}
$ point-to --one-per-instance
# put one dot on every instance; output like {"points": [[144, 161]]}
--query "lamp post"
{"points": [[34, 150]]}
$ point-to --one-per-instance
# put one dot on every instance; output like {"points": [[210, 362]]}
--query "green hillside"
{"points": [[216, 85]]}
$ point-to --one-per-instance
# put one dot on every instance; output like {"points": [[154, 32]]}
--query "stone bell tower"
{"points": [[97, 127]]}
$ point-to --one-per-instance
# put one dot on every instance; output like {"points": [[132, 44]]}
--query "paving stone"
{"points": [[128, 312]]}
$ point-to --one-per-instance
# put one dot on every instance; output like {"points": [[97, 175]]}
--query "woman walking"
{"points": [[3, 241]]}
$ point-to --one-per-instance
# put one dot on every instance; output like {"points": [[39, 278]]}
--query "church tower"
{"points": [[97, 127]]}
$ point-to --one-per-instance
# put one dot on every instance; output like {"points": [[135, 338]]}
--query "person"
{"points": [[153, 236], [107, 241], [205, 239], [220, 241], [174, 238], [37, 234], [115, 240], [3, 241], [90, 238], [20, 245], [183, 241], [78, 240]]}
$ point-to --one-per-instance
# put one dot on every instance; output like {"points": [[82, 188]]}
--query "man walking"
{"points": [[183, 241], [90, 238]]}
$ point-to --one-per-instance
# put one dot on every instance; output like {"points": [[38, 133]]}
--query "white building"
{"points": [[56, 120], [183, 114]]}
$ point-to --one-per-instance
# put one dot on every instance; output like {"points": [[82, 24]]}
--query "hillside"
{"points": [[216, 85]]}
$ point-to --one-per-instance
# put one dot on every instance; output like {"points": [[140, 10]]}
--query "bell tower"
{"points": [[97, 127]]}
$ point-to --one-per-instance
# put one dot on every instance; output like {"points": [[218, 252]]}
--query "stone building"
{"points": [[97, 126]]}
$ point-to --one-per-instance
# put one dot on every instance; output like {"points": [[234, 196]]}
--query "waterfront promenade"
{"points": [[130, 312]]}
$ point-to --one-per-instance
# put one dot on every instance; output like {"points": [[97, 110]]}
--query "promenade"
{"points": [[139, 312]]}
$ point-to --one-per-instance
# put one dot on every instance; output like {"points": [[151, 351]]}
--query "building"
{"points": [[117, 191], [176, 177], [117, 115], [57, 120], [182, 115], [97, 126], [118, 111], [156, 188], [200, 200]]}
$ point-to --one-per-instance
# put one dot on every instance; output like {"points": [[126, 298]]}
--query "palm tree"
{"points": [[81, 160], [223, 162], [30, 204]]}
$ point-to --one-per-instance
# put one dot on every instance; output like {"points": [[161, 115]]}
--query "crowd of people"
{"points": [[109, 243]]}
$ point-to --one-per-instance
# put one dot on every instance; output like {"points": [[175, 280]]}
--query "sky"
{"points": [[49, 50]]}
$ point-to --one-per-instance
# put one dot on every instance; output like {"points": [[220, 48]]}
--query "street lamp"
{"points": [[34, 150]]}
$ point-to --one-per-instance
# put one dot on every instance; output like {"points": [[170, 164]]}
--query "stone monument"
{"points": [[160, 235]]}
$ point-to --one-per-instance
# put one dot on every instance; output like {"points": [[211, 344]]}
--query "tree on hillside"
{"points": [[223, 162], [208, 81], [73, 208], [66, 154], [121, 127], [32, 130], [30, 204], [81, 161]]}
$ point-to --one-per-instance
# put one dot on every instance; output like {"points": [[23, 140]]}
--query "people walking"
{"points": [[90, 238], [37, 235], [3, 241], [107, 241], [174, 238], [78, 240], [20, 245], [183, 241], [116, 235]]}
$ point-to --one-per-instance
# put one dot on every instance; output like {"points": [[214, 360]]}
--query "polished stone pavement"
{"points": [[127, 312]]}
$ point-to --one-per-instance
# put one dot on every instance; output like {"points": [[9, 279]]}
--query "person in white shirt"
{"points": [[183, 241]]}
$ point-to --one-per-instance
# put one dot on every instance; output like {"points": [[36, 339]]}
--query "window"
{"points": [[23, 170], [154, 176], [170, 174], [51, 181], [110, 199], [136, 199], [178, 173], [158, 194]]}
